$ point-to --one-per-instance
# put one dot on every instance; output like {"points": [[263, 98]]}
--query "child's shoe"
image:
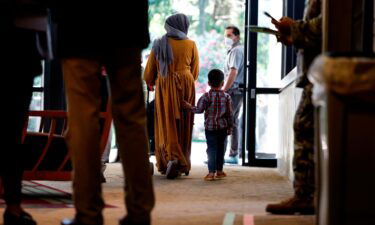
{"points": [[209, 177], [220, 175]]}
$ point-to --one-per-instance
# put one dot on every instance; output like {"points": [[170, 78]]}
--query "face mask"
{"points": [[228, 42]]}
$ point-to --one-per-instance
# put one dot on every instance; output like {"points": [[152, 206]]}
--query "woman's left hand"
{"points": [[186, 105]]}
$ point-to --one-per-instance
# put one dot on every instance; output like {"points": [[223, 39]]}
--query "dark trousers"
{"points": [[236, 136], [19, 63], [215, 149]]}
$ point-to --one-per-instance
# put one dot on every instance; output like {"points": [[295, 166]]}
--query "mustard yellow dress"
{"points": [[173, 125]]}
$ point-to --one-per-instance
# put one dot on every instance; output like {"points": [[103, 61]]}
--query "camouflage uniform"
{"points": [[307, 38]]}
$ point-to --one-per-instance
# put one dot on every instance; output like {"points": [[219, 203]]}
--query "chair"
{"points": [[46, 150]]}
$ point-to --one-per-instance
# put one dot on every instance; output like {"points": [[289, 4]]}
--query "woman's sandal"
{"points": [[209, 177]]}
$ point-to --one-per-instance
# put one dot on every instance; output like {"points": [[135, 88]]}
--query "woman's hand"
{"points": [[284, 27], [150, 87], [186, 105]]}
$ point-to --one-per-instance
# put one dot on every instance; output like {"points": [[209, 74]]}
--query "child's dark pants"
{"points": [[215, 149]]}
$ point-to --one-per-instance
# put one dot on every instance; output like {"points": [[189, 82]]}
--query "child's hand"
{"points": [[186, 105], [230, 131]]}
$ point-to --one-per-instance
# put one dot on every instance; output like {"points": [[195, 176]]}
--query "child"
{"points": [[217, 107]]}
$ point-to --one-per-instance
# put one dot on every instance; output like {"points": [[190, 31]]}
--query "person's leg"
{"points": [[211, 150], [105, 155], [129, 114], [82, 87], [240, 136], [11, 160], [303, 161], [19, 64], [222, 134], [236, 106], [107, 150], [237, 103]]}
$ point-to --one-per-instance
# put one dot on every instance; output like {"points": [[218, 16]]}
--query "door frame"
{"points": [[251, 91]]}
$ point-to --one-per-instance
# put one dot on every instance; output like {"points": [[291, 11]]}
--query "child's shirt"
{"points": [[217, 107]]}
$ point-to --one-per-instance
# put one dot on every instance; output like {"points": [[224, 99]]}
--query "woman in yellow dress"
{"points": [[173, 67]]}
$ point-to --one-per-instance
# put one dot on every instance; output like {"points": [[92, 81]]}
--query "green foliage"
{"points": [[211, 53], [208, 19], [263, 51], [159, 10], [160, 7]]}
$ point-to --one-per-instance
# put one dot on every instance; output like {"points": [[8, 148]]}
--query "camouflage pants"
{"points": [[303, 160]]}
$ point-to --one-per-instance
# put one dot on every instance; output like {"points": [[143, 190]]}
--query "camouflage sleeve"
{"points": [[307, 34]]}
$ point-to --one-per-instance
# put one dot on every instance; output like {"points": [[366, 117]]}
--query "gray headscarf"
{"points": [[177, 27]]}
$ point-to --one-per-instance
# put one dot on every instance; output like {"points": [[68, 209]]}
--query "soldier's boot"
{"points": [[293, 205]]}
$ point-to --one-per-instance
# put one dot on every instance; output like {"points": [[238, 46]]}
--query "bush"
{"points": [[212, 53]]}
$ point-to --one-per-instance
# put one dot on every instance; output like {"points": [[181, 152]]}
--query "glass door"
{"points": [[263, 67]]}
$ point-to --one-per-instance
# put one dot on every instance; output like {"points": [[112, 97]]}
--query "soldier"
{"points": [[306, 36]]}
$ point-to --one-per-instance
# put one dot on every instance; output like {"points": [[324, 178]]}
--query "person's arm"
{"points": [[236, 60], [307, 34], [151, 71], [201, 106], [195, 63], [231, 78], [301, 34], [229, 114]]}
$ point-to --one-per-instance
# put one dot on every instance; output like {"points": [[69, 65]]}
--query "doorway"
{"points": [[263, 62]]}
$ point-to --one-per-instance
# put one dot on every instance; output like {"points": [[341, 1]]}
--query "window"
{"points": [[37, 101]]}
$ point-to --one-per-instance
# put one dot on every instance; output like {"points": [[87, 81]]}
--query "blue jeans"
{"points": [[215, 149]]}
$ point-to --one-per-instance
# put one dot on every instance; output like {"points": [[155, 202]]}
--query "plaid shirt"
{"points": [[217, 107]]}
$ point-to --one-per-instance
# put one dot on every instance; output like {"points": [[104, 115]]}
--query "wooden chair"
{"points": [[47, 154], [45, 148]]}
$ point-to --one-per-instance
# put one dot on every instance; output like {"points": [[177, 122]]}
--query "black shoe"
{"points": [[23, 219], [127, 221], [172, 171], [102, 178]]}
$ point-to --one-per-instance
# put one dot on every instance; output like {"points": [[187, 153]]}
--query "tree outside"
{"points": [[208, 19]]}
